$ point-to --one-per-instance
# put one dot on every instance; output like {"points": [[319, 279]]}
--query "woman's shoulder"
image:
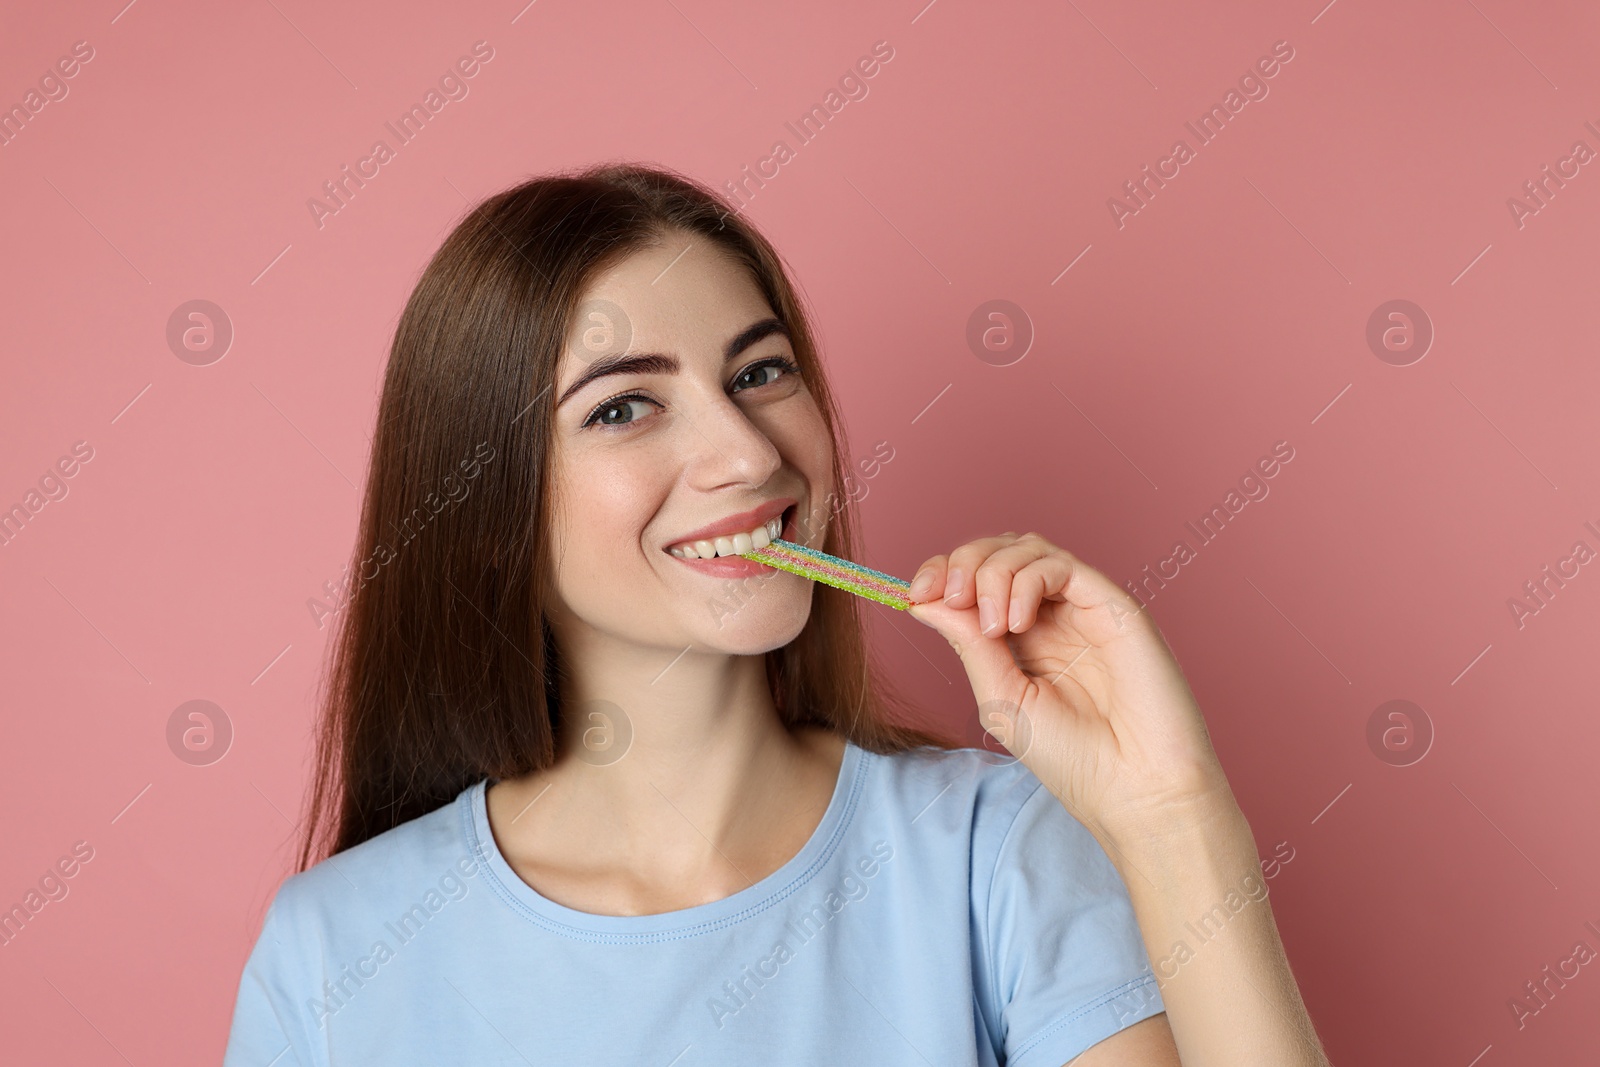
{"points": [[398, 865], [1027, 853], [977, 788]]}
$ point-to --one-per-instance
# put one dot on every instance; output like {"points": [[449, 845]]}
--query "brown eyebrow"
{"points": [[661, 363]]}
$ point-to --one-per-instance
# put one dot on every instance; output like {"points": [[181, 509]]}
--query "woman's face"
{"points": [[681, 419]]}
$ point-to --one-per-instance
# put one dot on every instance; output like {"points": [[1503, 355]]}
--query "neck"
{"points": [[675, 713], [701, 786]]}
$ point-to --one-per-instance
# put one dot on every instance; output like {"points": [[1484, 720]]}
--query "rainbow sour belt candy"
{"points": [[831, 570]]}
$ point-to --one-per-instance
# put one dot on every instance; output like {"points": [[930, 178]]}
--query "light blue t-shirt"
{"points": [[947, 910]]}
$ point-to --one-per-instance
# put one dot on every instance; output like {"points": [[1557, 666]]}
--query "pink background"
{"points": [[1228, 314]]}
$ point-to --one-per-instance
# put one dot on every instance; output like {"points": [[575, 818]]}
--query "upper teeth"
{"points": [[760, 537]]}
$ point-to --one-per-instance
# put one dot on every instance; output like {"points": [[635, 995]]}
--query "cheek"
{"points": [[801, 435], [604, 502]]}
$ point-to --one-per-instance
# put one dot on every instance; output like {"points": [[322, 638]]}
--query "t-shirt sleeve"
{"points": [[262, 1013], [1067, 966]]}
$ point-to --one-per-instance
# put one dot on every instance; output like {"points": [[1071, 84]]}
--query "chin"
{"points": [[756, 616]]}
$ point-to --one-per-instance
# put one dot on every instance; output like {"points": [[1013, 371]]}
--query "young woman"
{"points": [[592, 789]]}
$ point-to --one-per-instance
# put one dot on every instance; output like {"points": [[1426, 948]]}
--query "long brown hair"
{"points": [[443, 669]]}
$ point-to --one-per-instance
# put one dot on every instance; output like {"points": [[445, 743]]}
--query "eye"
{"points": [[619, 411], [762, 373]]}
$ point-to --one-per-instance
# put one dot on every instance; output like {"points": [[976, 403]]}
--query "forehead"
{"points": [[684, 296]]}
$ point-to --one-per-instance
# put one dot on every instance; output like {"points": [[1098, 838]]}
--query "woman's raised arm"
{"points": [[1075, 679]]}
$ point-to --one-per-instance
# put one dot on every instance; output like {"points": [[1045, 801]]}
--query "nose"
{"points": [[726, 449]]}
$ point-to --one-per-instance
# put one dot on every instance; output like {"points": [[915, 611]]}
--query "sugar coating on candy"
{"points": [[824, 563], [834, 563], [864, 576], [893, 600], [819, 566]]}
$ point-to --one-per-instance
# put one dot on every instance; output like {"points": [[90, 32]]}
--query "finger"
{"points": [[990, 666], [1090, 588], [1103, 609], [994, 580], [959, 590], [929, 579], [1044, 578]]}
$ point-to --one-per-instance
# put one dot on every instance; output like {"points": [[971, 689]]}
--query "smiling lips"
{"points": [[759, 537], [713, 550]]}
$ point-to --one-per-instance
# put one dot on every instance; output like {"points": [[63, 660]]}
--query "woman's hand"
{"points": [[1075, 679], [1078, 683]]}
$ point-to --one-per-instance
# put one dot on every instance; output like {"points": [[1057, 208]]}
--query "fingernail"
{"points": [[1016, 615], [952, 584], [920, 587], [988, 616]]}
